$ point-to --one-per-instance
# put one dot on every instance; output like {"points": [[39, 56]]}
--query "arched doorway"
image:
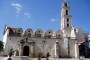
{"points": [[26, 51]]}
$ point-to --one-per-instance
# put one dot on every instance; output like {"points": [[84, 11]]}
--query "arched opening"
{"points": [[66, 12], [67, 25], [67, 19], [26, 51], [65, 4]]}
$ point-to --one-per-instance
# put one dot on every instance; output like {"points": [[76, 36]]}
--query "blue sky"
{"points": [[44, 14]]}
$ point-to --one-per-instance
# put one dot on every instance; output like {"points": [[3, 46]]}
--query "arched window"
{"points": [[67, 19], [66, 4], [58, 36], [66, 12], [67, 25], [26, 38]]}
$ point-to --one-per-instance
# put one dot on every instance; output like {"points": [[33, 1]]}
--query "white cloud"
{"points": [[52, 20], [27, 14], [17, 6]]}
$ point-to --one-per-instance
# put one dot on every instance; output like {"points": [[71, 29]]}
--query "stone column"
{"points": [[29, 51], [21, 51], [15, 53], [76, 50], [32, 48], [56, 49], [21, 48]]}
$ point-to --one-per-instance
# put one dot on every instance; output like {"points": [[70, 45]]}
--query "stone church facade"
{"points": [[62, 43]]}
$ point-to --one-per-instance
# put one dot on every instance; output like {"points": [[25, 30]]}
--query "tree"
{"points": [[1, 46]]}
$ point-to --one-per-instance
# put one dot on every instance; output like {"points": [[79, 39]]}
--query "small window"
{"points": [[43, 41], [39, 31], [49, 36], [67, 19], [29, 35], [66, 12], [18, 34], [66, 4], [67, 25], [58, 36], [26, 38], [49, 32], [18, 30], [38, 35]]}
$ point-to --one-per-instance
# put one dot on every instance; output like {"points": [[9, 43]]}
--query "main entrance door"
{"points": [[26, 51]]}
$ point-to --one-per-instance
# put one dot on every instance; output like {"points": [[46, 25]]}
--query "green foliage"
{"points": [[1, 46]]}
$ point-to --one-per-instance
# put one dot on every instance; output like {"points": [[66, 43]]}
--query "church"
{"points": [[60, 44]]}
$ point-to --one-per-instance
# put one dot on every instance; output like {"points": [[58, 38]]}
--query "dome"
{"points": [[29, 32], [39, 33], [48, 33], [59, 34]]}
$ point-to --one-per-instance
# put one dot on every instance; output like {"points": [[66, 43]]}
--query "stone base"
{"points": [[20, 58], [27, 58]]}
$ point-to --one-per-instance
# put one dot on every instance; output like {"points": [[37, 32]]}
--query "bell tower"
{"points": [[66, 18]]}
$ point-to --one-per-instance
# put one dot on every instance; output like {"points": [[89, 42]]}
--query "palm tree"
{"points": [[1, 46]]}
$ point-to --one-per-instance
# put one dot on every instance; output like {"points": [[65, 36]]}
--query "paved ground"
{"points": [[26, 58]]}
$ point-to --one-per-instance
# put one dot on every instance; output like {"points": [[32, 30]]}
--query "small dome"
{"points": [[19, 30], [29, 32], [59, 34], [48, 33], [39, 33]]}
